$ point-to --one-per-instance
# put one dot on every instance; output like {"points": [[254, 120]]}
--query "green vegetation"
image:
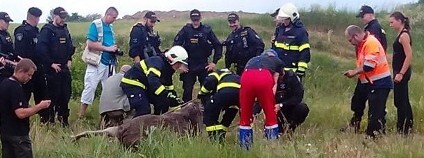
{"points": [[328, 95]]}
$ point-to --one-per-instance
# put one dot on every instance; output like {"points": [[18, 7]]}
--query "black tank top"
{"points": [[399, 54]]}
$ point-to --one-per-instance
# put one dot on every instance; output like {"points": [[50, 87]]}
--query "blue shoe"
{"points": [[271, 132], [245, 137]]}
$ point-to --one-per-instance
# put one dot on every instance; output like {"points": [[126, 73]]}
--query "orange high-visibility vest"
{"points": [[372, 54]]}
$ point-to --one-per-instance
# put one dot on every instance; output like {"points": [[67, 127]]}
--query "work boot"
{"points": [[271, 132], [245, 137]]}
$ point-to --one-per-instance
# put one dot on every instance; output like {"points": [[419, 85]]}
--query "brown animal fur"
{"points": [[186, 120]]}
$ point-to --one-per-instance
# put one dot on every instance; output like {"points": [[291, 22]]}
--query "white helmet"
{"points": [[288, 10], [177, 54]]}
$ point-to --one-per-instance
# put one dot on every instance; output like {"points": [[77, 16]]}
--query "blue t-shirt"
{"points": [[108, 40]]}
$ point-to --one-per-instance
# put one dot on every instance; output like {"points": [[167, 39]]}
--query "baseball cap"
{"points": [[275, 13], [60, 12], [152, 16], [4, 16], [35, 11], [195, 15], [365, 10], [232, 17]]}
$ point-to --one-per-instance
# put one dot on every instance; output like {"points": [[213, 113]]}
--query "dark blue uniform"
{"points": [[375, 29], [242, 45], [25, 40], [7, 52], [143, 42], [150, 81], [199, 43], [220, 92], [55, 46], [290, 95], [293, 47]]}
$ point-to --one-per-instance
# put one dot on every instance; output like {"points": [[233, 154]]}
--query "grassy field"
{"points": [[328, 95]]}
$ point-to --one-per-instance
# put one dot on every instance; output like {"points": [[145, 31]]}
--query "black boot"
{"points": [[217, 136]]}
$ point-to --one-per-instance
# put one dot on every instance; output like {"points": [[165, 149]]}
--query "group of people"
{"points": [[374, 75], [40, 61]]}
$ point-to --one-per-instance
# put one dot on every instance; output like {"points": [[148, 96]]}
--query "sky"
{"points": [[17, 8]]}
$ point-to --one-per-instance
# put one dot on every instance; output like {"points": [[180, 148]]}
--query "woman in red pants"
{"points": [[259, 81]]}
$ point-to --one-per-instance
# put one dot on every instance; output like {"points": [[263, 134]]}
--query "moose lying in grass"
{"points": [[188, 119]]}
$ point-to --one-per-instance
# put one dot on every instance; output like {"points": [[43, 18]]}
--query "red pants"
{"points": [[257, 83]]}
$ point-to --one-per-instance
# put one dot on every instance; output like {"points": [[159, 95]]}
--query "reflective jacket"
{"points": [[293, 46]]}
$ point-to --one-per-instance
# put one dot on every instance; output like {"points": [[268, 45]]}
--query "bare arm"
{"points": [[275, 76], [97, 46], [405, 41], [27, 112]]}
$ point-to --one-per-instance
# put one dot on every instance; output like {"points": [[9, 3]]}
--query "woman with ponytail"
{"points": [[402, 56]]}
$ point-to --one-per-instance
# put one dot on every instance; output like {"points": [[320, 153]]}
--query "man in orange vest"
{"points": [[373, 70]]}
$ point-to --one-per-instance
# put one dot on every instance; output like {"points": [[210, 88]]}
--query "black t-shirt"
{"points": [[12, 97], [271, 63]]}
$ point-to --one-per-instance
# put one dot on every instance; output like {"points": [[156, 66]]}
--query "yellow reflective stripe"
{"points": [[214, 74], [216, 128], [304, 46], [285, 46], [133, 82], [155, 71], [228, 85], [288, 69], [144, 67], [170, 88], [204, 90], [302, 64], [160, 90]]}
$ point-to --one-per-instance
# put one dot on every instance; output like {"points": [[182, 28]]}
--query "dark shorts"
{"points": [[16, 146]]}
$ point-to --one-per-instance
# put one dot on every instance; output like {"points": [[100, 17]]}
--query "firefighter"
{"points": [[289, 96], [144, 41], [55, 49], [292, 41], [151, 77], [242, 44], [25, 40], [6, 46], [199, 40], [259, 81], [219, 92]]}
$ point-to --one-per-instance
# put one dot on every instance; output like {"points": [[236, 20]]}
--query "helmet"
{"points": [[288, 10], [177, 54]]}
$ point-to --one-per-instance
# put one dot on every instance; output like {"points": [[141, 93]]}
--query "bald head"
{"points": [[125, 68], [353, 30]]}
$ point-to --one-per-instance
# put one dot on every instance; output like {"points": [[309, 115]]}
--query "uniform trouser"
{"points": [[292, 116], [189, 79], [16, 146], [404, 110], [240, 67], [160, 104], [138, 100], [358, 103], [59, 91], [252, 89], [223, 100], [94, 75], [377, 99]]}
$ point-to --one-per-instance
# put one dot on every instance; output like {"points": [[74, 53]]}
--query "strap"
{"points": [[99, 27]]}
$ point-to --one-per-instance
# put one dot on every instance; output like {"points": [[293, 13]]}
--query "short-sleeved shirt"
{"points": [[12, 97], [108, 40], [271, 63]]}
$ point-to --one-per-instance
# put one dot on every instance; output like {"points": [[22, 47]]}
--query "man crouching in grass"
{"points": [[15, 111]]}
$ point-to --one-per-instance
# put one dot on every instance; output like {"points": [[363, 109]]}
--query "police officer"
{"points": [[6, 46], [242, 44], [144, 41], [220, 92], [55, 50], [199, 40], [291, 40], [149, 77], [289, 96], [25, 40], [366, 14]]}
